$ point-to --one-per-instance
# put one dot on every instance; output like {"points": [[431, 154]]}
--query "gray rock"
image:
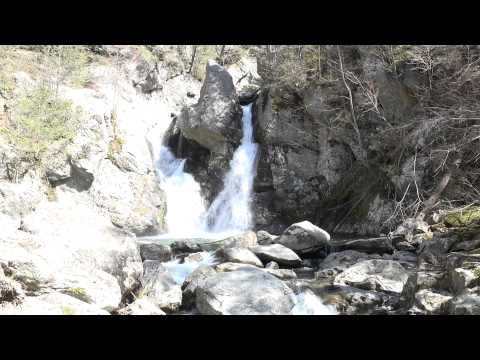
{"points": [[160, 287], [241, 255], [282, 274], [153, 251], [278, 253], [433, 303], [378, 245], [245, 240], [304, 238], [193, 281], [379, 275], [272, 265], [244, 292], [337, 262], [215, 120], [264, 238], [461, 279], [141, 307], [465, 304], [305, 272]]}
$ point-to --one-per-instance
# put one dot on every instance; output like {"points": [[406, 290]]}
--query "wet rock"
{"points": [[193, 281], [304, 238], [305, 272], [278, 253], [160, 287], [465, 304], [247, 291], [152, 251]]}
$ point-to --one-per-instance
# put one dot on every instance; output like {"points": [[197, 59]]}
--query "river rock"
{"points": [[337, 262], [282, 274], [433, 303], [245, 240], [265, 238], [465, 304], [241, 255], [160, 287], [379, 275], [272, 265], [193, 281], [247, 291], [278, 253], [153, 251], [304, 238]]}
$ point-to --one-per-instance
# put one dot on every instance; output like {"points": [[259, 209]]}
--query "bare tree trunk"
{"points": [[350, 96], [222, 51], [193, 59], [432, 200]]}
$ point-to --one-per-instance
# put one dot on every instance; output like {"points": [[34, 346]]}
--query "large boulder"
{"points": [[247, 291], [52, 304], [278, 253], [378, 275], [304, 238], [215, 120]]}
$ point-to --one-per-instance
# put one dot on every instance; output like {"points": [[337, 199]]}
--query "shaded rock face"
{"points": [[246, 291], [306, 156], [299, 159]]}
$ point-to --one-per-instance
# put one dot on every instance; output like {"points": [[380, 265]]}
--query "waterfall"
{"points": [[185, 205], [231, 208], [230, 212]]}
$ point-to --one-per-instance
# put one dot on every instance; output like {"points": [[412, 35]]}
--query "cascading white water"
{"points": [[185, 205], [231, 208], [230, 212]]}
